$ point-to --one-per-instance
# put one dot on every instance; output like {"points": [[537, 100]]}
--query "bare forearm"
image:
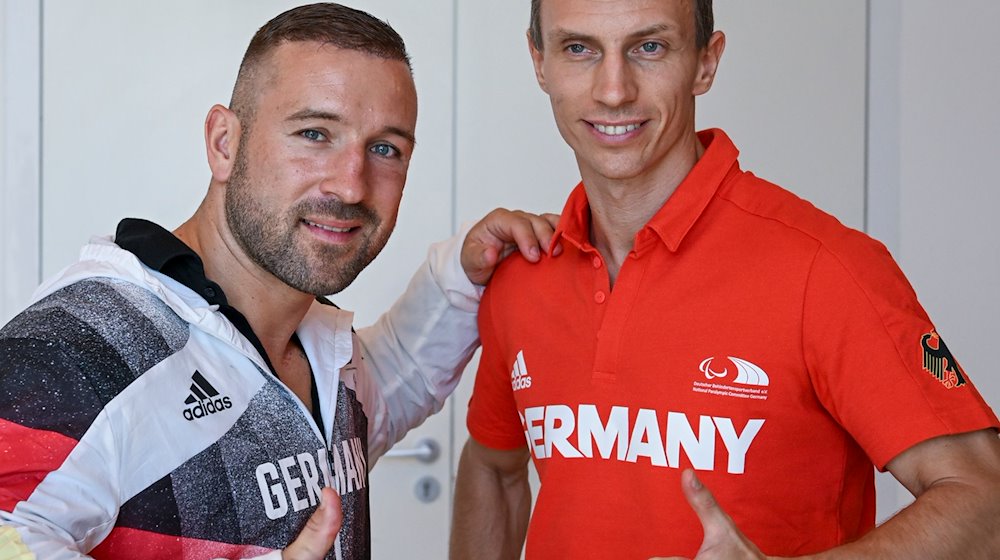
{"points": [[956, 479], [951, 520], [491, 512]]}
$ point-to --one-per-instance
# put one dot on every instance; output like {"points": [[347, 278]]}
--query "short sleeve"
{"points": [[877, 362], [493, 419]]}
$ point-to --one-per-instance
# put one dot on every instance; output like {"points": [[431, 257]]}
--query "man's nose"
{"points": [[614, 83], [346, 175]]}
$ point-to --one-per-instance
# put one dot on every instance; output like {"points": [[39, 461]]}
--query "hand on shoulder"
{"points": [[500, 233]]}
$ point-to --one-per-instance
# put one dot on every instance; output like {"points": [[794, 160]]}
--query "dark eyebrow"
{"points": [[653, 30], [404, 133], [560, 35], [309, 114]]}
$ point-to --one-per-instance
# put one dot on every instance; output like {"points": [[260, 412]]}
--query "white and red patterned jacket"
{"points": [[137, 421]]}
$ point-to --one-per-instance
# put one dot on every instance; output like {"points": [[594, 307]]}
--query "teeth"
{"points": [[615, 130], [328, 228]]}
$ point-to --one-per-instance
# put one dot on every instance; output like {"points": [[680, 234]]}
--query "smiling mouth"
{"points": [[328, 228], [616, 130]]}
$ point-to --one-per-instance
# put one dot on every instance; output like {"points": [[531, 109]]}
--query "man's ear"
{"points": [[708, 63], [222, 139], [536, 59]]}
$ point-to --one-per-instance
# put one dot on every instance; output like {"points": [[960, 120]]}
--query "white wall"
{"points": [[124, 109], [932, 190], [950, 191], [790, 91], [3, 87], [949, 188], [19, 153]]}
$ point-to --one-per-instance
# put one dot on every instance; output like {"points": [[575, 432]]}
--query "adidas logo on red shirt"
{"points": [[519, 378]]}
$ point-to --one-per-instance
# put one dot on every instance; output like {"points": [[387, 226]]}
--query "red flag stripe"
{"points": [[27, 455]]}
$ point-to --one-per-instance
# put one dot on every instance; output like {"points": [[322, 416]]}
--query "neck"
{"points": [[273, 309], [619, 208]]}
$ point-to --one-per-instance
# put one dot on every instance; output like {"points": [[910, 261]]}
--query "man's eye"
{"points": [[576, 48], [649, 47], [385, 150], [314, 135]]}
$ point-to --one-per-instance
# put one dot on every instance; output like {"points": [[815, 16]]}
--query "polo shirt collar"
{"points": [[163, 252], [678, 215]]}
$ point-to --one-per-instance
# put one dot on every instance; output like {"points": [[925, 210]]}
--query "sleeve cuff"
{"points": [[444, 259]]}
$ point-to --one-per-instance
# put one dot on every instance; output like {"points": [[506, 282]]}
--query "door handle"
{"points": [[426, 451]]}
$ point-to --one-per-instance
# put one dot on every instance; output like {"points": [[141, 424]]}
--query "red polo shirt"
{"points": [[749, 336]]}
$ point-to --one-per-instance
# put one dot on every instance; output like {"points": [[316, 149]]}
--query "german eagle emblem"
{"points": [[939, 362]]}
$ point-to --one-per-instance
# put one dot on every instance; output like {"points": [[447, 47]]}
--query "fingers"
{"points": [[553, 221], [502, 232], [543, 227], [316, 538], [530, 234]]}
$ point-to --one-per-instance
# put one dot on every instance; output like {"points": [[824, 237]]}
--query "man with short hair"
{"points": [[192, 394], [702, 319]]}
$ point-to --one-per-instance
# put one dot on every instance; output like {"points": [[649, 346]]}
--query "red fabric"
{"points": [[133, 543], [732, 273], [26, 456]]}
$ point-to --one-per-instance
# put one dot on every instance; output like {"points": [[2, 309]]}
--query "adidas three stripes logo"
{"points": [[204, 399]]}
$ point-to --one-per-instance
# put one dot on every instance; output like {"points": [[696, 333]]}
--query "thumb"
{"points": [[723, 538], [489, 257], [316, 538], [478, 259], [714, 520]]}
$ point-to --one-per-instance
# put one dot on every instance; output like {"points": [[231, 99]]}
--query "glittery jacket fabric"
{"points": [[137, 422]]}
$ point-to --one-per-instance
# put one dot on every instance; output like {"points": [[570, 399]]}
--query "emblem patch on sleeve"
{"points": [[939, 362]]}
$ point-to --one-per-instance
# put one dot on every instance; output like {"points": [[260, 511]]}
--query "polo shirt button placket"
{"points": [[599, 295]]}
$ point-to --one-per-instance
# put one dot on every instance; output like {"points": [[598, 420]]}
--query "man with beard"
{"points": [[703, 319], [192, 394]]}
